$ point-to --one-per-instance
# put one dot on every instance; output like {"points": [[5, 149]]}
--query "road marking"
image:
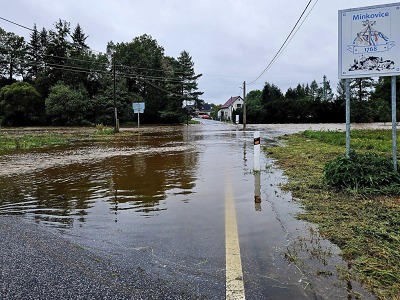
{"points": [[234, 273]]}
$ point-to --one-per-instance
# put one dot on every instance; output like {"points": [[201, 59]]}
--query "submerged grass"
{"points": [[26, 141], [366, 228]]}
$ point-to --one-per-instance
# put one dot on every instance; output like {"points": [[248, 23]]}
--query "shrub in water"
{"points": [[365, 171]]}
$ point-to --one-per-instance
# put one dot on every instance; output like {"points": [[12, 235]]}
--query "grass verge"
{"points": [[366, 228]]}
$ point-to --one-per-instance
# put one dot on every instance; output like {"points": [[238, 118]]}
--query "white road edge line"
{"points": [[234, 273]]}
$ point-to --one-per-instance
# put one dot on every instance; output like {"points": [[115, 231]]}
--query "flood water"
{"points": [[154, 199]]}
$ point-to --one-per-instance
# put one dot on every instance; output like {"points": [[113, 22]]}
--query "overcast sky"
{"points": [[230, 41]]}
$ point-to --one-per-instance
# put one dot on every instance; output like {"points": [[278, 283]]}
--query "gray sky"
{"points": [[230, 41]]}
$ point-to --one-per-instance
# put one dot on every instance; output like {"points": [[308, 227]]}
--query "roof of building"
{"points": [[230, 101], [206, 107]]}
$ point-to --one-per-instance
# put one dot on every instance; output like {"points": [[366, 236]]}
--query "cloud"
{"points": [[230, 40]]}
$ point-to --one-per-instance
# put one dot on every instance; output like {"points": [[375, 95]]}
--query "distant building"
{"points": [[205, 110], [225, 112]]}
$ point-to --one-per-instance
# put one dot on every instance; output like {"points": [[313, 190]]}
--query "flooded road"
{"points": [[154, 202]]}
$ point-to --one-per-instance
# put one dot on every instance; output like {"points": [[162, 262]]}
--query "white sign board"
{"points": [[369, 41], [138, 107]]}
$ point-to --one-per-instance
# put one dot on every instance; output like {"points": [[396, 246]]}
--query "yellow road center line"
{"points": [[234, 273]]}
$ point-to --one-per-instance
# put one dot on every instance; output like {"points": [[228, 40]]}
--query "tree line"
{"points": [[56, 79], [370, 101]]}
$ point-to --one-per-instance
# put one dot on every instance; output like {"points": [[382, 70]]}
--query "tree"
{"points": [[103, 103], [21, 105], [270, 93], [381, 99], [79, 41], [255, 113], [360, 88], [188, 79], [58, 49], [12, 55], [173, 111], [341, 89], [66, 106], [33, 53], [313, 89], [325, 92], [140, 62]]}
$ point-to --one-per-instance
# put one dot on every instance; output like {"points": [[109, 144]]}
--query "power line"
{"points": [[283, 45], [300, 25], [133, 73], [17, 24], [31, 29]]}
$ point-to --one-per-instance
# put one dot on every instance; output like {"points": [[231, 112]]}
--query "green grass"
{"points": [[366, 228], [379, 141], [27, 141]]}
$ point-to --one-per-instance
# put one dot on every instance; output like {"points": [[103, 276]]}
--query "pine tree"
{"points": [[325, 92], [188, 79], [58, 48], [341, 90], [79, 41], [314, 89], [361, 88], [33, 55]]}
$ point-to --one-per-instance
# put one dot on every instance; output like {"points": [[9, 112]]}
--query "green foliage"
{"points": [[362, 172], [171, 117], [20, 105], [27, 141], [380, 141], [66, 106], [214, 111], [188, 79], [12, 52], [103, 130]]}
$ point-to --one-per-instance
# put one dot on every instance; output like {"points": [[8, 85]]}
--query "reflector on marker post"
{"points": [[257, 147]]}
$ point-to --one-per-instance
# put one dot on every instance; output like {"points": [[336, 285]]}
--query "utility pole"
{"points": [[324, 88], [116, 129], [244, 105], [187, 114]]}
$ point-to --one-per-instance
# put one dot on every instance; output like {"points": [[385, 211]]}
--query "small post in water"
{"points": [[257, 147]]}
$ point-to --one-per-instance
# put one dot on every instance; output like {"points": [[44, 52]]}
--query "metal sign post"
{"points": [[394, 124], [347, 117], [138, 108]]}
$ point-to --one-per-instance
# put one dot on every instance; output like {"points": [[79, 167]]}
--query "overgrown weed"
{"points": [[26, 141]]}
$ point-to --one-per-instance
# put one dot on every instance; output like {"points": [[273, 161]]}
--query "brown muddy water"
{"points": [[154, 199]]}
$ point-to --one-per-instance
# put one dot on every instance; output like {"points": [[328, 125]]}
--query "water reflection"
{"points": [[139, 180], [257, 191]]}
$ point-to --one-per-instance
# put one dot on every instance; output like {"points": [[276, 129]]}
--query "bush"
{"points": [[366, 172], [66, 106], [21, 105]]}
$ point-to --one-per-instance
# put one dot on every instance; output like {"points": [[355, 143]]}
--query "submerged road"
{"points": [[165, 213]]}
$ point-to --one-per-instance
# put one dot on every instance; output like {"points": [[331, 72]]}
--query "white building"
{"points": [[225, 112]]}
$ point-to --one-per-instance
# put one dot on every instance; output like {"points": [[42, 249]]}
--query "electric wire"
{"points": [[134, 74], [305, 18], [16, 24], [283, 45]]}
